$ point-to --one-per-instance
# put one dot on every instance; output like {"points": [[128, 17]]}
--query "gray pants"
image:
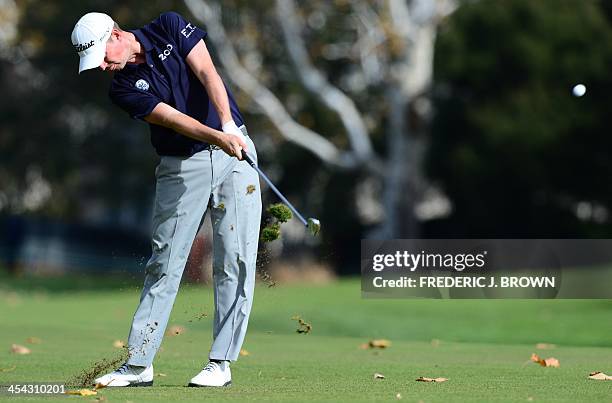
{"points": [[186, 187]]}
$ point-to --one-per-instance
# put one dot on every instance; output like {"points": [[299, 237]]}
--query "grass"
{"points": [[484, 345]]}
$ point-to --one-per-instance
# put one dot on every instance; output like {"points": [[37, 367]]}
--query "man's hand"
{"points": [[233, 145]]}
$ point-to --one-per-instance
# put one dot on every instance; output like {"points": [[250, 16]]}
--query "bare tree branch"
{"points": [[416, 24], [396, 43], [444, 8], [273, 108], [413, 24], [317, 84], [371, 37]]}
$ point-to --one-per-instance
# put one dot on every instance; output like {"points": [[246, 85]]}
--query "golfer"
{"points": [[164, 75]]}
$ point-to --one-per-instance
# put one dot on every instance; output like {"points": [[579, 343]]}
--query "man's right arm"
{"points": [[167, 116]]}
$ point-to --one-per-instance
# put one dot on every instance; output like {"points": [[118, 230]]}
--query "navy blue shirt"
{"points": [[166, 77]]}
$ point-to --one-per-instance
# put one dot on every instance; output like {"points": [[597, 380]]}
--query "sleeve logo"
{"points": [[142, 85], [188, 30]]}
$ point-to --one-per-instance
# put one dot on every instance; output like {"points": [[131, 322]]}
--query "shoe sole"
{"points": [[195, 385], [140, 384], [131, 385]]}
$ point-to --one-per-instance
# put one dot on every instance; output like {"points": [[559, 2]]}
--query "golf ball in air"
{"points": [[579, 90]]}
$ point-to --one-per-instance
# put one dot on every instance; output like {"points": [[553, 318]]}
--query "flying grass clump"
{"points": [[86, 378], [280, 214], [270, 233]]}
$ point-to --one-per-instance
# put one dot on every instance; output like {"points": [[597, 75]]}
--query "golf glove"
{"points": [[231, 128]]}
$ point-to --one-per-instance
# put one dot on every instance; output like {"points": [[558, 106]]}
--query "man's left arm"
{"points": [[201, 64]]}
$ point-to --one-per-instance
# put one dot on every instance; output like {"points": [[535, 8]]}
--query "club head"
{"points": [[314, 226]]}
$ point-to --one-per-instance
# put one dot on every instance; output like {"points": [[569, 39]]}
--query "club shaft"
{"points": [[248, 159]]}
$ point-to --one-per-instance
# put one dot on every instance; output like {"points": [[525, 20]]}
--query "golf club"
{"points": [[313, 225]]}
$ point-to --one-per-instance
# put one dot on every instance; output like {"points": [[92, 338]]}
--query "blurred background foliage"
{"points": [[517, 154], [509, 150]]}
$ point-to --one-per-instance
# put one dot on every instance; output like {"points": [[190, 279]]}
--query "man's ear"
{"points": [[115, 34]]}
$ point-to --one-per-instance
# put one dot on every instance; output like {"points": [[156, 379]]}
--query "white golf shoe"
{"points": [[127, 375], [213, 374]]}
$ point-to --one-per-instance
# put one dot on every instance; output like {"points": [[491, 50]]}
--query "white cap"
{"points": [[89, 38]]}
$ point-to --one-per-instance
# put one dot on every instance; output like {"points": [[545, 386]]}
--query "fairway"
{"points": [[482, 346]]}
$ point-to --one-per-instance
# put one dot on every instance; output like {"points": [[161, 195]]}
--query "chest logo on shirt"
{"points": [[142, 85], [188, 30], [163, 55]]}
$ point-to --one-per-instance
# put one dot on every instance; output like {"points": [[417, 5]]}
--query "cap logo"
{"points": [[83, 46], [142, 85]]}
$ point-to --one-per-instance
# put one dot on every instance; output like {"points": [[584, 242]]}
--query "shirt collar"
{"points": [[145, 42], [142, 38]]}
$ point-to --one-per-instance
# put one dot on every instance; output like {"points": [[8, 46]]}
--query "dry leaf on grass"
{"points": [[8, 369], [379, 343], [424, 379], [545, 346], [545, 362], [378, 376], [33, 340], [244, 352], [82, 392], [600, 376], [17, 349], [175, 330], [303, 327], [118, 344], [552, 362]]}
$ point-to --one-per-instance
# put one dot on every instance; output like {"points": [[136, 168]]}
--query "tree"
{"points": [[515, 151], [348, 82], [344, 88], [66, 151]]}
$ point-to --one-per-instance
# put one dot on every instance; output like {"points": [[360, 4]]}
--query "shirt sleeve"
{"points": [[133, 98], [184, 33]]}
